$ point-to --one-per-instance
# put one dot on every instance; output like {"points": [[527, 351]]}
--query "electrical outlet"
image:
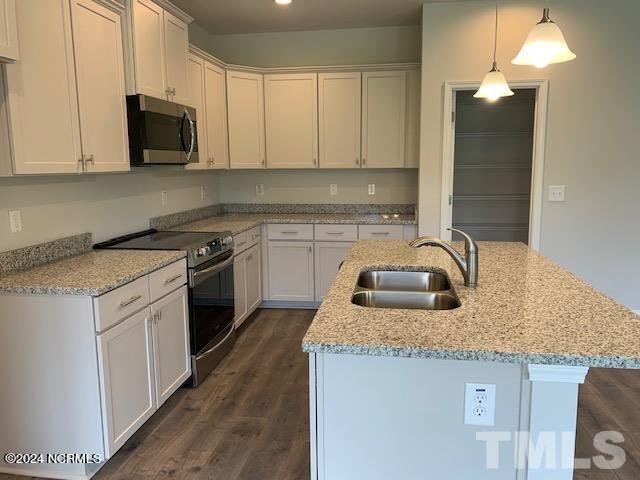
{"points": [[15, 221], [371, 189], [480, 404], [333, 189], [556, 193], [260, 189], [165, 198]]}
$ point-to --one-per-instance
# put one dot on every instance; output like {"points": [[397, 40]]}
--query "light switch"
{"points": [[260, 189], [556, 193], [333, 189], [15, 221], [165, 198], [371, 189]]}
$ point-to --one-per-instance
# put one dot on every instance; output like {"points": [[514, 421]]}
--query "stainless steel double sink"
{"points": [[405, 289]]}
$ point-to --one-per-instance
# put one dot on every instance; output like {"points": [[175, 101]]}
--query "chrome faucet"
{"points": [[468, 264]]}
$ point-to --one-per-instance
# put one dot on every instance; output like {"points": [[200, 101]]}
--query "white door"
{"points": [[329, 256], [412, 141], [8, 30], [125, 360], [291, 271], [176, 50], [383, 119], [101, 87], [216, 108], [245, 103], [171, 354], [148, 46], [41, 87], [291, 120], [253, 277], [339, 119], [195, 78], [240, 287]]}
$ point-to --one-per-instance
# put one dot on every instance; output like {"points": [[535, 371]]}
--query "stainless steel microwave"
{"points": [[161, 132]]}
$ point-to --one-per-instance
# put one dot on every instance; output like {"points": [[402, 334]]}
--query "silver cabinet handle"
{"points": [[315, 161], [335, 233], [364, 161], [262, 162], [249, 257], [289, 233], [309, 249], [172, 279], [126, 303], [90, 158], [239, 244], [379, 233], [357, 161]]}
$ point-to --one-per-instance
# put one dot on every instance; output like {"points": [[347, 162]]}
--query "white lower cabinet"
{"points": [[240, 288], [291, 275], [328, 257], [171, 359], [125, 361], [247, 274]]}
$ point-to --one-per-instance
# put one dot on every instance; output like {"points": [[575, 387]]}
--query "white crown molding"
{"points": [[112, 5], [309, 69], [171, 8], [557, 373]]}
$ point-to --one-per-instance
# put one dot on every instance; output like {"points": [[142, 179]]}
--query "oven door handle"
{"points": [[217, 345], [196, 277]]}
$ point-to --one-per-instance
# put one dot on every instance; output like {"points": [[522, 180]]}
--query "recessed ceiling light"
{"points": [[283, 2]]}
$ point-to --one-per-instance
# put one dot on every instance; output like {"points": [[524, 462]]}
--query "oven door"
{"points": [[211, 299]]}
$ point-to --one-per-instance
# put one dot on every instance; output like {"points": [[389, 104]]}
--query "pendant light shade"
{"points": [[544, 45], [494, 85]]}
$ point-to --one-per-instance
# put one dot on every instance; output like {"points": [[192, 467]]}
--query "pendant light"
{"points": [[494, 84], [545, 44]]}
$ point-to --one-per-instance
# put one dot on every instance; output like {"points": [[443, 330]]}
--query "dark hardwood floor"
{"points": [[249, 419]]}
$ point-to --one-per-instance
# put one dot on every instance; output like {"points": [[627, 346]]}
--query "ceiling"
{"points": [[255, 16]]}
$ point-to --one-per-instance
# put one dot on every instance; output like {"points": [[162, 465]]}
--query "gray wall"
{"points": [[320, 47], [592, 130]]}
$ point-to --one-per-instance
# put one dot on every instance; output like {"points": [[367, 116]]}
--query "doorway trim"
{"points": [[537, 168]]}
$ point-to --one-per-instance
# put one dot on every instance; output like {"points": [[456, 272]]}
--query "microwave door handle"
{"points": [[192, 134]]}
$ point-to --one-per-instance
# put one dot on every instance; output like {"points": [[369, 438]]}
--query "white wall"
{"points": [[296, 186], [592, 131], [106, 205], [318, 47]]}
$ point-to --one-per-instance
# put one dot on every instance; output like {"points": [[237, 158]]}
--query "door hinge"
{"points": [[450, 199], [453, 116]]}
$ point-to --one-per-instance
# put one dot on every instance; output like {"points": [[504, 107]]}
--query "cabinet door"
{"points": [[101, 88], [216, 109], [176, 50], [254, 277], [148, 39], [329, 256], [127, 379], [240, 287], [291, 120], [42, 98], [8, 30], [340, 112], [412, 143], [383, 119], [171, 358], [245, 102], [195, 78], [291, 271]]}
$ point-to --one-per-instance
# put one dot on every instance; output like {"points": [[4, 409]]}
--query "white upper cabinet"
{"points": [[339, 96], [216, 112], [42, 98], [8, 31], [245, 100], [161, 46], [383, 119], [291, 113], [195, 78], [101, 87], [412, 143], [176, 48]]}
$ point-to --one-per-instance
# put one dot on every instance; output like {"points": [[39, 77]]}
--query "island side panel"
{"points": [[390, 417]]}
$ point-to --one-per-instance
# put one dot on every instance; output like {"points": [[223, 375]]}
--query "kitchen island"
{"points": [[387, 386]]}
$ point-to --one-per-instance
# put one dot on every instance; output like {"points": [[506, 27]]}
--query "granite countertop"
{"points": [[92, 273], [239, 222], [526, 309]]}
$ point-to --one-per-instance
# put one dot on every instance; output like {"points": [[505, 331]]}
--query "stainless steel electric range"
{"points": [[211, 295]]}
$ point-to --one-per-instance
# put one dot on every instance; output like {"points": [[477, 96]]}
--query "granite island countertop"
{"points": [[92, 273], [239, 222], [526, 309]]}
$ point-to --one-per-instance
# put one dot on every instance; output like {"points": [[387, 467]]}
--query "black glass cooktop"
{"points": [[154, 240]]}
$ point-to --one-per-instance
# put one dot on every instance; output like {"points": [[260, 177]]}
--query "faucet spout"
{"points": [[468, 264]]}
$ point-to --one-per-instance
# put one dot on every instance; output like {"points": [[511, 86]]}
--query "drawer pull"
{"points": [[335, 233], [289, 233], [126, 303], [172, 279], [241, 244], [379, 233]]}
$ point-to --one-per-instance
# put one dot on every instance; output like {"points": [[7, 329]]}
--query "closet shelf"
{"points": [[528, 134], [494, 166]]}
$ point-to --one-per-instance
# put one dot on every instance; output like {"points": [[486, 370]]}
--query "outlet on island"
{"points": [[480, 404]]}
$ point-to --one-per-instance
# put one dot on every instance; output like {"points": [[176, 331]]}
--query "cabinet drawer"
{"points": [[366, 232], [290, 231], [113, 306], [240, 242], [336, 233], [167, 279], [253, 236]]}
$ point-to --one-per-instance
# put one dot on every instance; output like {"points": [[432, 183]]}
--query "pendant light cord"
{"points": [[495, 39]]}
